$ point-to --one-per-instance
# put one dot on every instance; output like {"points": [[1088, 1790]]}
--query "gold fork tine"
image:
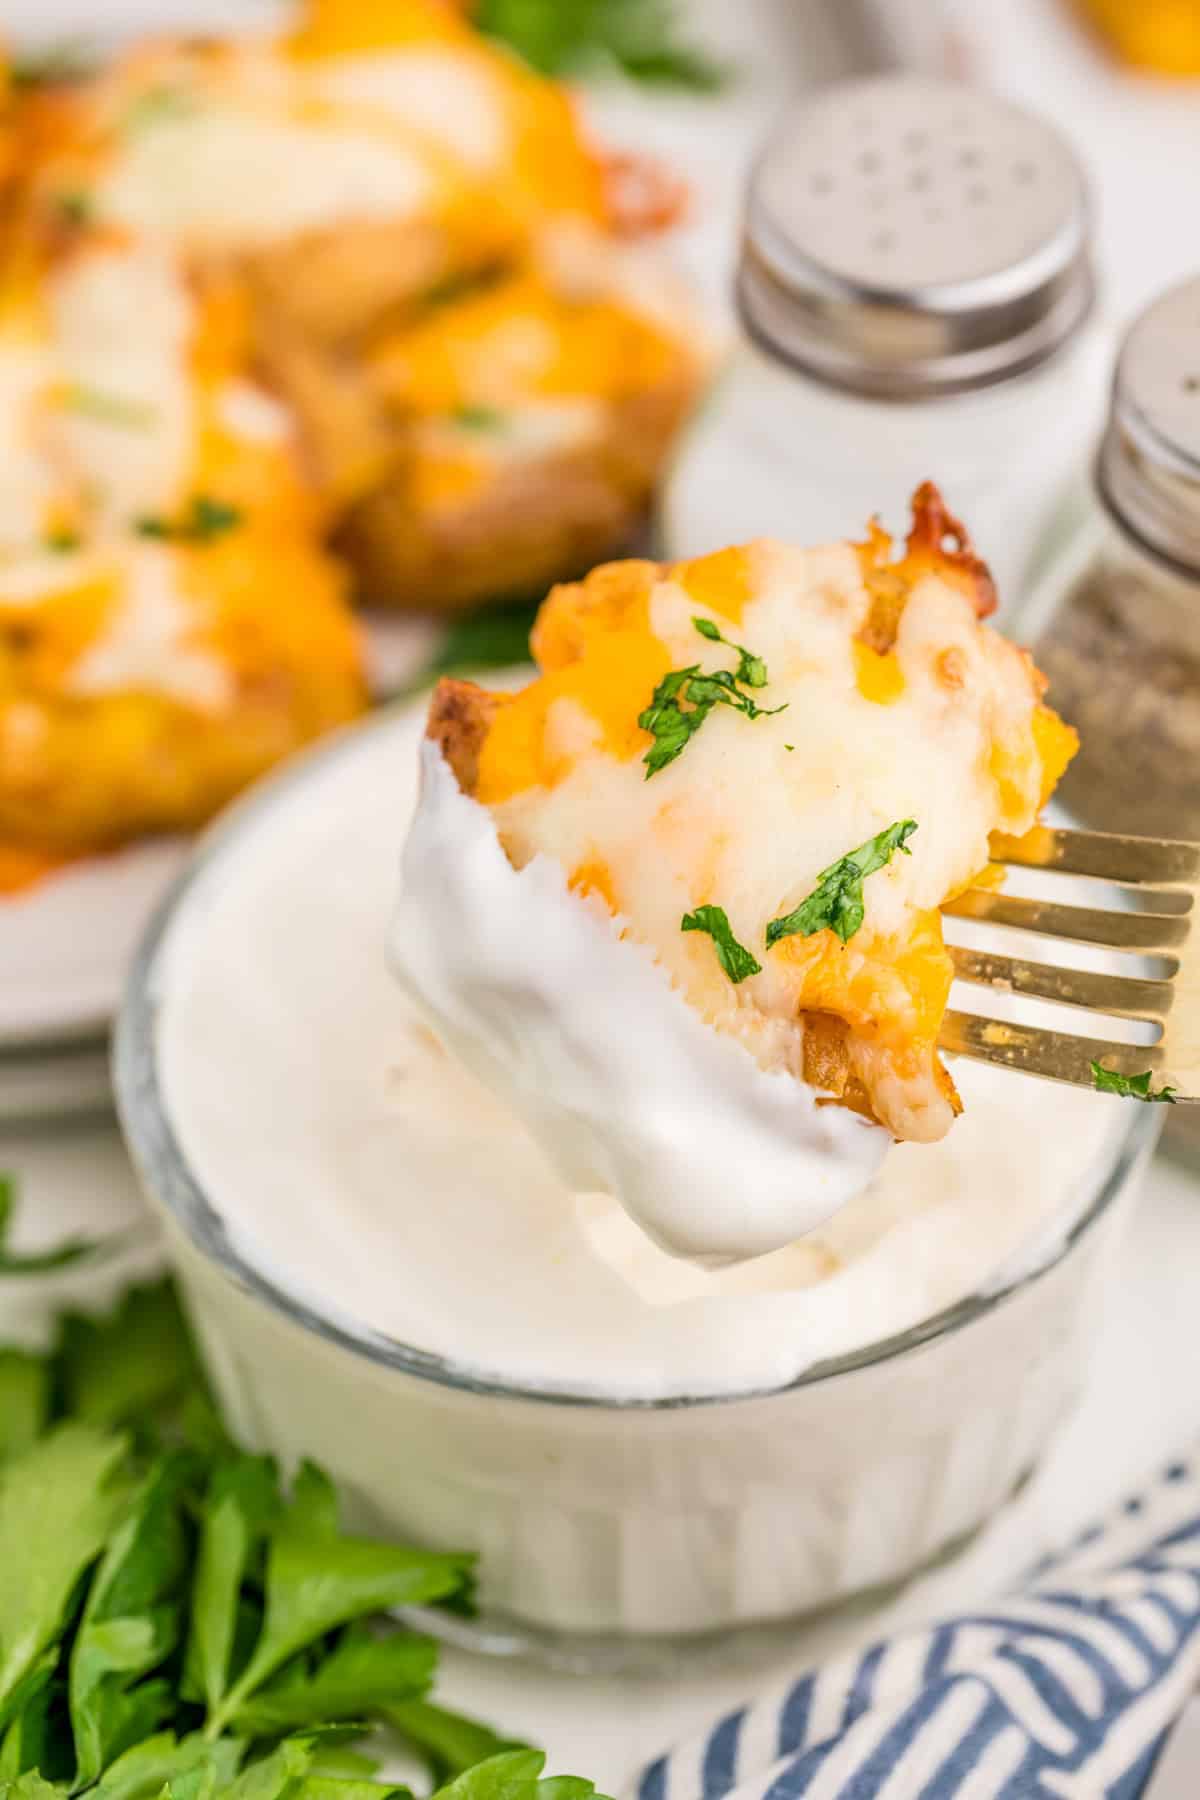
{"points": [[1136, 862], [1058, 1055], [1165, 875], [1148, 933], [1121, 996]]}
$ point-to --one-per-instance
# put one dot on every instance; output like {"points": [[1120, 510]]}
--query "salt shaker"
{"points": [[916, 293]]}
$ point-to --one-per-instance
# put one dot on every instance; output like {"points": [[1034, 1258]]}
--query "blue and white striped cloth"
{"points": [[1066, 1688]]}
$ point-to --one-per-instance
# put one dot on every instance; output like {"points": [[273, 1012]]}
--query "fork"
{"points": [[1163, 877]]}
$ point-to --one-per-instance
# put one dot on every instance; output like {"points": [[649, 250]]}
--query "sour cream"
{"points": [[582, 1033], [359, 1164]]}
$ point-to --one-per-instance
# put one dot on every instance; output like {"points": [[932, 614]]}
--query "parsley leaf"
{"points": [[479, 418], [34, 1262], [672, 728], [733, 957], [130, 1624], [158, 106], [108, 408], [361, 1676], [448, 1741], [514, 1776], [751, 670], [61, 62], [240, 1503], [62, 539], [203, 520], [495, 637], [59, 1500], [317, 1581], [30, 1786], [572, 37], [132, 1368], [24, 1398], [836, 903], [666, 721], [75, 207], [1134, 1087], [150, 1766]]}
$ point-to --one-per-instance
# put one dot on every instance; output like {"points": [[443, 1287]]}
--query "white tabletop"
{"points": [[1141, 142]]}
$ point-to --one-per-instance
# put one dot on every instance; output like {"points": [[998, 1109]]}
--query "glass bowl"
{"points": [[612, 1532]]}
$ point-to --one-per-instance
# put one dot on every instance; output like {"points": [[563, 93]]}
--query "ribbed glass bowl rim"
{"points": [[165, 1172]]}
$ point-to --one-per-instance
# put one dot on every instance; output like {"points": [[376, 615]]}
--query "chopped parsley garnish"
{"points": [[1134, 1087], [109, 408], [836, 903], [751, 670], [62, 539], [75, 206], [667, 722], [62, 62], [204, 520], [733, 957], [455, 285], [479, 418], [157, 106]]}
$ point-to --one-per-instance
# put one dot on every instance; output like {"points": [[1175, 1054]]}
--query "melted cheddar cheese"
{"points": [[900, 703], [145, 675], [362, 117]]}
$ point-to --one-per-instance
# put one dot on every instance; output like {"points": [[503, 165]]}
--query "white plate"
{"points": [[65, 943]]}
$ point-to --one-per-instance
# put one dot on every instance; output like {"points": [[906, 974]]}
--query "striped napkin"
{"points": [[1065, 1688]]}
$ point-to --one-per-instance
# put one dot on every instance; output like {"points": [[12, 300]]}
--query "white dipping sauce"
{"points": [[361, 1168]]}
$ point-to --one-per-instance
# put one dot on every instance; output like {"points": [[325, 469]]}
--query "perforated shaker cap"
{"points": [[907, 236], [1149, 466]]}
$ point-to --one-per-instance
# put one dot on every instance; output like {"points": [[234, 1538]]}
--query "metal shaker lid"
{"points": [[1149, 465], [907, 236]]}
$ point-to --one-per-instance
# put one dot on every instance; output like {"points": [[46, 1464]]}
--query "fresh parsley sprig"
{"points": [[1133, 1087], [176, 1625], [734, 958], [836, 903], [35, 1262], [672, 727]]}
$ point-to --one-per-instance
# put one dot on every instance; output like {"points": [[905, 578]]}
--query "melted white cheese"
{"points": [[147, 641], [29, 483], [250, 412], [439, 92], [123, 323], [582, 1034], [228, 177]]}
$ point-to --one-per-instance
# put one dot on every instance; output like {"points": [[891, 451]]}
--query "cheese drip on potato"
{"points": [[781, 850]]}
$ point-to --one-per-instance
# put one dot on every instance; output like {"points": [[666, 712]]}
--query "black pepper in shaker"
{"points": [[1118, 633]]}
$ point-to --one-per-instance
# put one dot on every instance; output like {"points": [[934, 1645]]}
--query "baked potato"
{"points": [[534, 413], [769, 768], [170, 624]]}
